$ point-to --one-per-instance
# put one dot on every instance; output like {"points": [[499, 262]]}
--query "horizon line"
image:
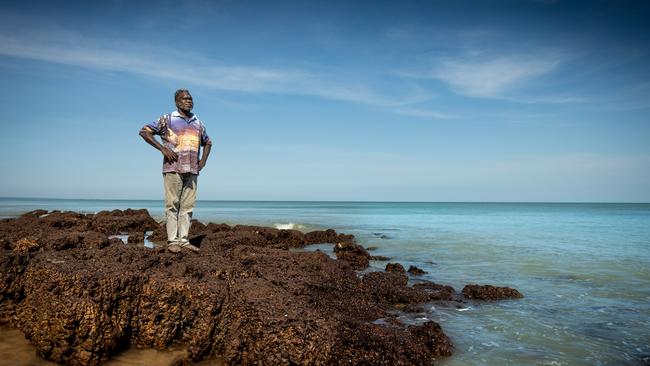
{"points": [[330, 201]]}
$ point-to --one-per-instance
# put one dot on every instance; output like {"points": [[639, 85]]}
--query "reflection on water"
{"points": [[147, 243], [15, 350]]}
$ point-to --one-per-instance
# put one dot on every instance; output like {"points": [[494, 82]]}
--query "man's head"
{"points": [[184, 101]]}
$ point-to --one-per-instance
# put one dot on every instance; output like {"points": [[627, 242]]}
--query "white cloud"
{"points": [[60, 45], [491, 78], [478, 75]]}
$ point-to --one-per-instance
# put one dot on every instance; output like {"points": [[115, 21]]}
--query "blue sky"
{"points": [[332, 100]]}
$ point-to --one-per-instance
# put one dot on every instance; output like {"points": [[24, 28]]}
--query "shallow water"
{"points": [[584, 269]]}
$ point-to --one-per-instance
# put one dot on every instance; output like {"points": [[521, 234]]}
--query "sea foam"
{"points": [[289, 226]]}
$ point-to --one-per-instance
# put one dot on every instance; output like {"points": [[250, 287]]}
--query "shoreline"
{"points": [[245, 296]]}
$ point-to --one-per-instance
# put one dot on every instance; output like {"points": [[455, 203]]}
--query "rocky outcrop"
{"points": [[79, 296], [379, 258], [353, 253], [416, 271], [395, 267], [489, 292], [437, 291], [327, 236]]}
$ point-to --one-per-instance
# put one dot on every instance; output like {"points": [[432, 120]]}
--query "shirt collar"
{"points": [[178, 115]]}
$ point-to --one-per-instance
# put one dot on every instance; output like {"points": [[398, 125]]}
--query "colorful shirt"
{"points": [[184, 137]]}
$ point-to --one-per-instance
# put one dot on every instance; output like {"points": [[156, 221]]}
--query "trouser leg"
{"points": [[173, 189], [187, 201]]}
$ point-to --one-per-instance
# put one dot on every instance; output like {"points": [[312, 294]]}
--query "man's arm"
{"points": [[205, 154], [169, 155]]}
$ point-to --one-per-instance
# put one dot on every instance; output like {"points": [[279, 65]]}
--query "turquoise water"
{"points": [[584, 268]]}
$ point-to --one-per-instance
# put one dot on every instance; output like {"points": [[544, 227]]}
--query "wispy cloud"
{"points": [[147, 62], [492, 78], [477, 73], [67, 47], [423, 113]]}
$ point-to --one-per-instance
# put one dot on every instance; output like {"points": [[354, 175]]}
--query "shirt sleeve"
{"points": [[205, 139], [157, 126]]}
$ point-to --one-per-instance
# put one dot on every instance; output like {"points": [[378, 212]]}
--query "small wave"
{"points": [[289, 226]]}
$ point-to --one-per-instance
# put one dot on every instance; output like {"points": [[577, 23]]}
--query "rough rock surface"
{"points": [[644, 360], [437, 291], [379, 258], [395, 267], [79, 296], [416, 271], [489, 292], [353, 253]]}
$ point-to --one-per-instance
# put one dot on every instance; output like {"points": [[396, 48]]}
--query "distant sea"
{"points": [[584, 268]]}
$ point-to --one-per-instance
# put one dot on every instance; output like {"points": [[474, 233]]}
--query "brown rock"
{"points": [[377, 345], [126, 221], [379, 258], [136, 237], [115, 241], [65, 240], [197, 227], [488, 292], [327, 236], [354, 254], [215, 228], [93, 239], [437, 291], [395, 267], [26, 245], [159, 234], [416, 271], [82, 297], [34, 214], [391, 288], [293, 238]]}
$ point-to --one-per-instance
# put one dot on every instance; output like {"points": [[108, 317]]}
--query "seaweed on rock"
{"points": [[79, 296]]}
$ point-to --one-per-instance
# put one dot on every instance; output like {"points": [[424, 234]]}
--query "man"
{"points": [[182, 134]]}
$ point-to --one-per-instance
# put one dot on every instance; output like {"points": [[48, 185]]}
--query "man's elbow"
{"points": [[145, 132]]}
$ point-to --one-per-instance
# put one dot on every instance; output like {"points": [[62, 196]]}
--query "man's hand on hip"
{"points": [[169, 155]]}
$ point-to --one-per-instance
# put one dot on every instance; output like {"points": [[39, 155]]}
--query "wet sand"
{"points": [[15, 350]]}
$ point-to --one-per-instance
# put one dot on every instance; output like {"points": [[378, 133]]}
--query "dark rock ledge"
{"points": [[80, 297]]}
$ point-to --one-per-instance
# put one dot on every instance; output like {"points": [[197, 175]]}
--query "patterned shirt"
{"points": [[184, 137]]}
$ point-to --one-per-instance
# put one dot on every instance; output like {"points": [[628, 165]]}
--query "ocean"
{"points": [[584, 268]]}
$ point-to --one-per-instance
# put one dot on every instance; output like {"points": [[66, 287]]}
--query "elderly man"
{"points": [[182, 134]]}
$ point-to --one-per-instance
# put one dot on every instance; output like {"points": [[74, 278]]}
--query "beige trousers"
{"points": [[180, 196]]}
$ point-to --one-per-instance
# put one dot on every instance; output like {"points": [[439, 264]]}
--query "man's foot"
{"points": [[190, 247], [174, 248]]}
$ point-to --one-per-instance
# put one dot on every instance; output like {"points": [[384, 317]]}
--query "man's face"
{"points": [[184, 102]]}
